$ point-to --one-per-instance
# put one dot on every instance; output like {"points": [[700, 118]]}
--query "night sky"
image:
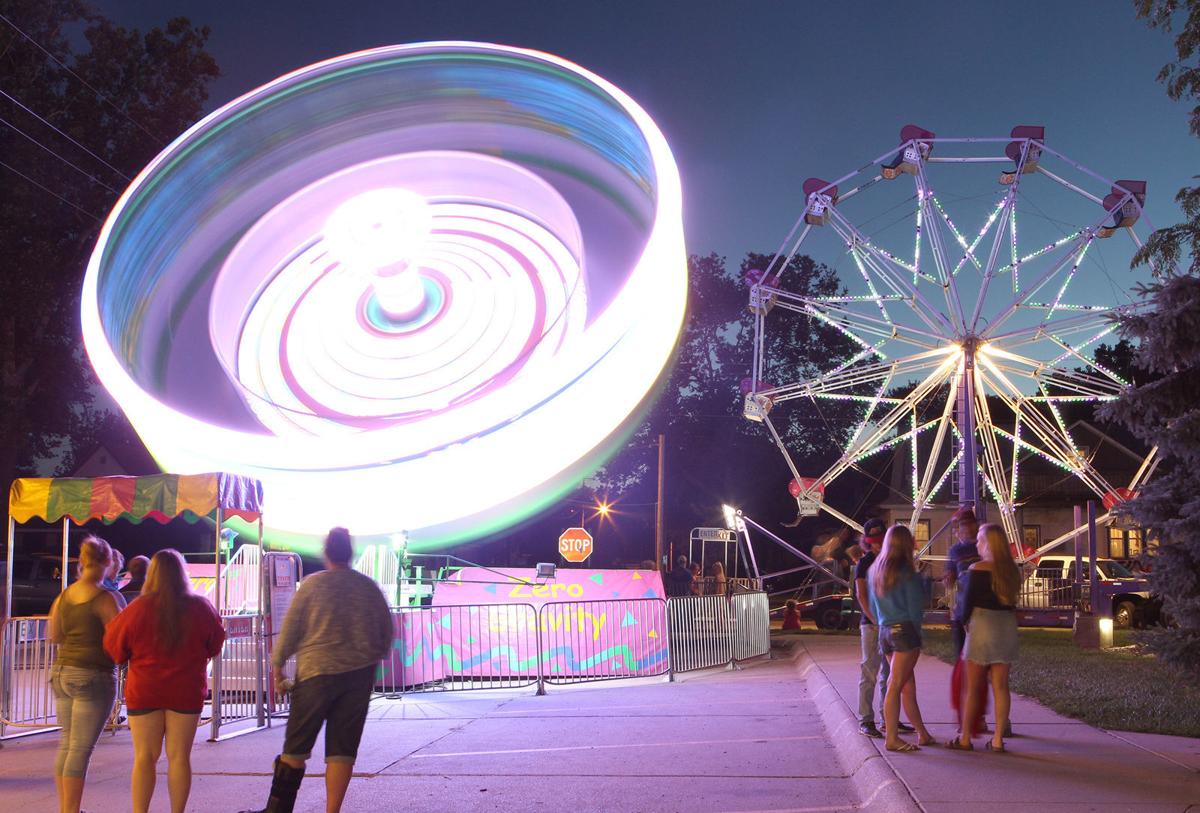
{"points": [[755, 97]]}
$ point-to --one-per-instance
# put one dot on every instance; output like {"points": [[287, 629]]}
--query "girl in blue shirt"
{"points": [[898, 604]]}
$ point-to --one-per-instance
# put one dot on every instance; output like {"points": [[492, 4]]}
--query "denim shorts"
{"points": [[339, 702], [902, 637]]}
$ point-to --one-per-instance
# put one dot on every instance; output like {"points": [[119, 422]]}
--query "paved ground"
{"points": [[745, 740], [778, 735], [1054, 763]]}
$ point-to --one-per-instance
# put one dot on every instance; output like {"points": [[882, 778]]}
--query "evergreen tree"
{"points": [[1165, 411]]}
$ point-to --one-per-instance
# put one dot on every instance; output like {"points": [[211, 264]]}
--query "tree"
{"points": [[714, 455], [1165, 411], [82, 114]]}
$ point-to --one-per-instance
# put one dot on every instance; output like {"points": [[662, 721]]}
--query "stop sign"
{"points": [[575, 544]]}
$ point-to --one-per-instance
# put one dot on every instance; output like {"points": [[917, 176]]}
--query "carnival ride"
{"points": [[416, 287], [947, 322]]}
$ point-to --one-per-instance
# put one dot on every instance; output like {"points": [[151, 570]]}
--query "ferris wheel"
{"points": [[964, 297]]}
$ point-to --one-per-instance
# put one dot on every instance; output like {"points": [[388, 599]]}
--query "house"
{"points": [[1047, 496]]}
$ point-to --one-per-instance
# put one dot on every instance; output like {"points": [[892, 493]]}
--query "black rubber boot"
{"points": [[284, 787]]}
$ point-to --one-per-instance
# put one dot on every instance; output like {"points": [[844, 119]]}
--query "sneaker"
{"points": [[868, 729]]}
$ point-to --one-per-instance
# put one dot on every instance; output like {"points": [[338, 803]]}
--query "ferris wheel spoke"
{"points": [[879, 261], [864, 322], [1077, 352], [855, 377], [940, 257], [867, 442], [992, 462], [989, 271], [1048, 432], [922, 493]]}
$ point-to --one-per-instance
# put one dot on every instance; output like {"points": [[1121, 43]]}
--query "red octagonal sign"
{"points": [[575, 544]]}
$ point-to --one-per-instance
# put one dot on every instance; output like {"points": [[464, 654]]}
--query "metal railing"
{"points": [[26, 699], [445, 648], [701, 632], [462, 647], [240, 580], [585, 641], [237, 684], [709, 631], [1036, 593], [749, 614]]}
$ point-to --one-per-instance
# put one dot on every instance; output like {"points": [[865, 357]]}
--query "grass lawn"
{"points": [[1116, 688]]}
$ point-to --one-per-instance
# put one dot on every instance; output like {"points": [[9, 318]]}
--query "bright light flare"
{"points": [[386, 278]]}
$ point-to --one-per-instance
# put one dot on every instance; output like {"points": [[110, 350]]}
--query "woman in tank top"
{"points": [[83, 678]]}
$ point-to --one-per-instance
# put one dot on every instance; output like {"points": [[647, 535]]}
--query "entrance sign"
{"points": [[575, 544], [714, 534]]}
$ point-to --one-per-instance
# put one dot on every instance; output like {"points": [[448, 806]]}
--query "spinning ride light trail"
{"points": [[973, 322], [418, 287]]}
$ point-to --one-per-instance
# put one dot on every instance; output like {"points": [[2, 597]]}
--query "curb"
{"points": [[878, 785]]}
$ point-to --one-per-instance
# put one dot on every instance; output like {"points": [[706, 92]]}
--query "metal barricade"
{"points": [[237, 682], [27, 702], [1040, 593], [701, 632], [584, 641], [750, 615], [462, 647]]}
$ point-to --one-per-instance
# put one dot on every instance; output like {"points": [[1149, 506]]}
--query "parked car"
{"points": [[1052, 585]]}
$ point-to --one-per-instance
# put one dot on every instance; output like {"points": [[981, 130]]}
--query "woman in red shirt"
{"points": [[167, 635]]}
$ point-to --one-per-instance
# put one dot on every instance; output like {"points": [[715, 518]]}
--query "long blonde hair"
{"points": [[895, 559], [1006, 577], [168, 588]]}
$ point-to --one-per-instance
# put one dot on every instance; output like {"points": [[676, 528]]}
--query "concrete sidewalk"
{"points": [[777, 735], [1053, 762], [747, 740]]}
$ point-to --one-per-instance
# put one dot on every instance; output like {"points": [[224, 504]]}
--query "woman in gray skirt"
{"points": [[990, 619]]}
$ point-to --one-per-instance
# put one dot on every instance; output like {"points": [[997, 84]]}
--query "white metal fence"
{"points": [[750, 616], [444, 648], [237, 684], [27, 702], [709, 631], [701, 632]]}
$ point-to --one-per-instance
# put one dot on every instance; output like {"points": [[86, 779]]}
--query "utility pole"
{"points": [[658, 506]]}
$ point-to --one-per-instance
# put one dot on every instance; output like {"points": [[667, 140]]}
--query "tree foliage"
{"points": [[1164, 410], [87, 103], [713, 454]]}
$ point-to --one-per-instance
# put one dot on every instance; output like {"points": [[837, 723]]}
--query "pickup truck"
{"points": [[37, 580], [1051, 585]]}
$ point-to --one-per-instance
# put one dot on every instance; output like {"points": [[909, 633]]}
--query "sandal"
{"points": [[903, 747], [956, 745], [998, 749]]}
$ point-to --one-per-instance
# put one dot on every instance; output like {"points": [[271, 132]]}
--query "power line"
{"points": [[82, 81], [78, 169], [18, 103], [51, 191]]}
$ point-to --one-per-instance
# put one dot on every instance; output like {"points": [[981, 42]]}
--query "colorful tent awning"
{"points": [[161, 497]]}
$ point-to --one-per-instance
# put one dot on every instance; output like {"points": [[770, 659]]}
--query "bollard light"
{"points": [[1106, 633]]}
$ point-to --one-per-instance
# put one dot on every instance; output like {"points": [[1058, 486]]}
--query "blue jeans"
{"points": [[84, 702]]}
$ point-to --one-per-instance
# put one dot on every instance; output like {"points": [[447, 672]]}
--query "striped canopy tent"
{"points": [[161, 497]]}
